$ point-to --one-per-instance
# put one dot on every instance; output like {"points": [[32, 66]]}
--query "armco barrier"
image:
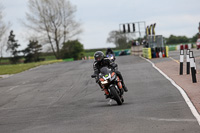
{"points": [[172, 47], [117, 53], [177, 47], [127, 52]]}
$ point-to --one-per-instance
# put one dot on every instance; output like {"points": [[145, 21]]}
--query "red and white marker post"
{"points": [[188, 61], [192, 66], [181, 59]]}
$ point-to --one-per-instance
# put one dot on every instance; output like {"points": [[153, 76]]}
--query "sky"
{"points": [[99, 17]]}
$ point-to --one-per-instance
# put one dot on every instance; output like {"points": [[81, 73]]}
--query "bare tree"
{"points": [[53, 22], [3, 43], [119, 39], [3, 32]]}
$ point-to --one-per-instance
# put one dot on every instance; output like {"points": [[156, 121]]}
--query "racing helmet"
{"points": [[98, 56], [108, 49]]}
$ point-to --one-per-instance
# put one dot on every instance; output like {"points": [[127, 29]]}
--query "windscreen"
{"points": [[104, 71]]}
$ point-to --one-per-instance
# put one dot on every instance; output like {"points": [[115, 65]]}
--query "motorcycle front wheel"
{"points": [[116, 95]]}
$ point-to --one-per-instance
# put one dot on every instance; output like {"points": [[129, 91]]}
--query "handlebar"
{"points": [[93, 76]]}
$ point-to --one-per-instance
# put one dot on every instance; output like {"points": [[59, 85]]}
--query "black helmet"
{"points": [[98, 56], [108, 48]]}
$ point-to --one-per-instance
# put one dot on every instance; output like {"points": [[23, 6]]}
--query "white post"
{"points": [[181, 61], [192, 66], [188, 61]]}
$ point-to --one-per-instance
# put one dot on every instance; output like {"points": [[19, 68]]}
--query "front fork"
{"points": [[120, 91], [118, 85]]}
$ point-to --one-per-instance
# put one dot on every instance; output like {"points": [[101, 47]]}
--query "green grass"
{"points": [[13, 69], [4, 60], [48, 57]]}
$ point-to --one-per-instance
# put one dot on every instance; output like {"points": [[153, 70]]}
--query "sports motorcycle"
{"points": [[109, 80], [110, 57]]}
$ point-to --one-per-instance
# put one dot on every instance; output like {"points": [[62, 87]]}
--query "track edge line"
{"points": [[183, 93]]}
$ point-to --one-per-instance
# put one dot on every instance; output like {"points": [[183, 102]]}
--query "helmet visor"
{"points": [[98, 58]]}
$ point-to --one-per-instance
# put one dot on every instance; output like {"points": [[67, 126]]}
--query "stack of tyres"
{"points": [[153, 51], [159, 52]]}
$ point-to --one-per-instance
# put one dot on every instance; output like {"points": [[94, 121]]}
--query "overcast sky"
{"points": [[99, 17]]}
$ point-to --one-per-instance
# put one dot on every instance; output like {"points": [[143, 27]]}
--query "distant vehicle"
{"points": [[122, 53], [111, 57], [198, 43]]}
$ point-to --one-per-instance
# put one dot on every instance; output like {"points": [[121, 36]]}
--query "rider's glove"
{"points": [[113, 65], [97, 79]]}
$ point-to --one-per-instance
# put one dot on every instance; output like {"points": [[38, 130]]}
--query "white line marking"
{"points": [[174, 60], [172, 120], [12, 88], [23, 83], [186, 98]]}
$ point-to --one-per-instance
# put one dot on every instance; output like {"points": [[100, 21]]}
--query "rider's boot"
{"points": [[124, 87], [122, 81], [106, 93], [122, 98]]}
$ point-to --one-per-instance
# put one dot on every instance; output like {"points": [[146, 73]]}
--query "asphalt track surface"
{"points": [[62, 98]]}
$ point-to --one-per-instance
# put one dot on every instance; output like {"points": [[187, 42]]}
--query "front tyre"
{"points": [[116, 95]]}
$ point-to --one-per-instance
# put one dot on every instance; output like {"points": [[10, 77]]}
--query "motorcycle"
{"points": [[109, 80], [110, 57]]}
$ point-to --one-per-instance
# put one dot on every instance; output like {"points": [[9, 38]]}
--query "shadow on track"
{"points": [[113, 104]]}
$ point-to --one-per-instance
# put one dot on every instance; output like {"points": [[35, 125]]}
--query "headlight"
{"points": [[107, 77], [104, 82]]}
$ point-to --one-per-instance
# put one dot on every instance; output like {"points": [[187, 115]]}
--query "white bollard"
{"points": [[192, 66], [181, 61], [188, 61]]}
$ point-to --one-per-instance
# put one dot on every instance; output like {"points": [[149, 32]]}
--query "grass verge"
{"points": [[13, 69]]}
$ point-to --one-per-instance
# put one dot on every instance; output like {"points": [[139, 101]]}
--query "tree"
{"points": [[120, 40], [53, 21], [72, 49], [177, 39], [32, 51], [12, 47], [194, 38], [3, 31]]}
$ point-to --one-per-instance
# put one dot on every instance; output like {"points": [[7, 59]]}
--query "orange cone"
{"points": [[163, 53]]}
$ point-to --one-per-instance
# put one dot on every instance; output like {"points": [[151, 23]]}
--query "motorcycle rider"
{"points": [[109, 51], [102, 61]]}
